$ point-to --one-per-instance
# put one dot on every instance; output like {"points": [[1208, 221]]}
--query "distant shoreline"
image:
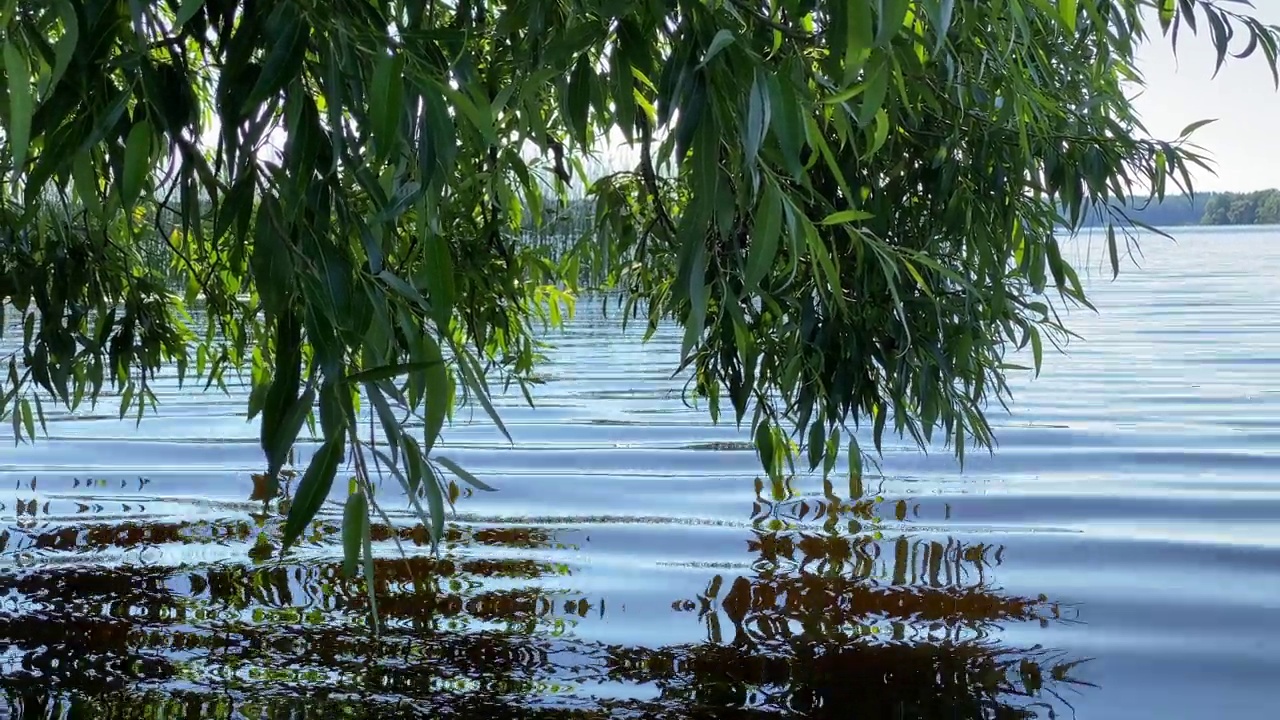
{"points": [[1259, 226], [1259, 208]]}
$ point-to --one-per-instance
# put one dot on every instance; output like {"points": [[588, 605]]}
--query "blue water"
{"points": [[1118, 556]]}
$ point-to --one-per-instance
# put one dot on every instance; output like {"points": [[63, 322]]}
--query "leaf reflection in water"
{"points": [[823, 621]]}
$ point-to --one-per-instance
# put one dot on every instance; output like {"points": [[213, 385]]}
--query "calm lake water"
{"points": [[1118, 557]]}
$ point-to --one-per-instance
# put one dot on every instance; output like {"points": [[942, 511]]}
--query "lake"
{"points": [[1117, 557]]}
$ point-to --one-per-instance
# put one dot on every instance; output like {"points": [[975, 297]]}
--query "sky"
{"points": [[1243, 142]]}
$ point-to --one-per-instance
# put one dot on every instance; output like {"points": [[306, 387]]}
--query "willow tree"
{"points": [[852, 208]]}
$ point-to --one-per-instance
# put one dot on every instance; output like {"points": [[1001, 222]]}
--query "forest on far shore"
{"points": [[1261, 207]]}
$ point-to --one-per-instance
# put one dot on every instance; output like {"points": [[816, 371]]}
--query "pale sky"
{"points": [[1244, 142]]}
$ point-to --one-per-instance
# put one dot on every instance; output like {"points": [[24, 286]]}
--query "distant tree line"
{"points": [[1255, 208], [1261, 207]]}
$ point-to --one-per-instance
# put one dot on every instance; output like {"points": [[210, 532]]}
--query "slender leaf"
{"points": [[312, 490], [355, 521], [20, 104], [463, 474]]}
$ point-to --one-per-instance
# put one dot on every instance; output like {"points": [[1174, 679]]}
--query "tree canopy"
{"points": [[852, 208], [1261, 207]]}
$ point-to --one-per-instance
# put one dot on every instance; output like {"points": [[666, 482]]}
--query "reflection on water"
{"points": [[819, 623], [1119, 557]]}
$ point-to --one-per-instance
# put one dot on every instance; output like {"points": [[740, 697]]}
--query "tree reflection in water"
{"points": [[831, 621]]}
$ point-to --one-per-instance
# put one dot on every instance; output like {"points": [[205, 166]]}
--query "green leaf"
{"points": [[463, 475], [893, 16], [818, 250], [1188, 9], [436, 276], [86, 184], [435, 502], [579, 99], [312, 490], [439, 392], [472, 378], [855, 460], [915, 275], [699, 297], [816, 445], [411, 476], [1221, 38], [283, 410], [16, 418], [421, 477], [765, 238], [20, 104], [481, 119], [271, 261], [386, 104], [126, 400], [846, 216], [137, 163], [758, 112], [1254, 38], [403, 288], [286, 435], [28, 419], [66, 45], [1113, 252], [724, 37], [1037, 348], [786, 125], [355, 519], [859, 38], [832, 453], [405, 197], [287, 54], [764, 446], [942, 11], [387, 372], [1168, 10], [333, 97], [415, 465], [691, 111], [874, 96], [390, 427], [881, 133], [1196, 126], [187, 11], [1069, 10]]}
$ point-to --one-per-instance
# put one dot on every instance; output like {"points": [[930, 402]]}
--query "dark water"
{"points": [[1119, 557]]}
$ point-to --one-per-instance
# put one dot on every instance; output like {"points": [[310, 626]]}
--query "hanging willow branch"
{"points": [[852, 208]]}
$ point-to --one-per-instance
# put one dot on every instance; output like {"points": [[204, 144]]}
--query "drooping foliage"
{"points": [[851, 207]]}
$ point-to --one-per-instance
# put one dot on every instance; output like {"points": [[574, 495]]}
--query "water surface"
{"points": [[1118, 557]]}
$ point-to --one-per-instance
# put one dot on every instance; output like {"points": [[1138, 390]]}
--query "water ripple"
{"points": [[1118, 556]]}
